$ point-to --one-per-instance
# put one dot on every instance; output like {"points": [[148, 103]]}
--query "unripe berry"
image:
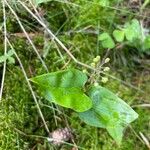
{"points": [[106, 69], [95, 60], [84, 71], [93, 64], [104, 79], [107, 60], [98, 57]]}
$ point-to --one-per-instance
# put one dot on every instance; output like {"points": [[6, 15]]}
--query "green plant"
{"points": [[131, 34], [101, 2], [99, 107], [77, 24], [64, 88], [106, 40], [8, 57]]}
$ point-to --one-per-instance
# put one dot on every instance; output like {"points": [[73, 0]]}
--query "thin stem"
{"points": [[30, 41], [54, 37], [5, 50], [141, 105], [27, 36], [46, 138], [125, 83], [48, 30], [67, 51], [45, 32], [30, 87]]}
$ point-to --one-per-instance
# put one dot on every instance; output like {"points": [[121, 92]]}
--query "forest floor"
{"points": [[77, 24]]}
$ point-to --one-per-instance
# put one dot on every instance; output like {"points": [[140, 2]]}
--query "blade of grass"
{"points": [[30, 87], [5, 50], [30, 41], [68, 52], [56, 39], [26, 34], [118, 9], [45, 21]]}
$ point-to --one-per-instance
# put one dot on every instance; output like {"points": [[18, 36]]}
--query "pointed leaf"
{"points": [[106, 40], [64, 88], [133, 30], [109, 112], [118, 35], [116, 133]]}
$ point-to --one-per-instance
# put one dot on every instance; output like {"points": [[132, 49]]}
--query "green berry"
{"points": [[95, 60], [106, 69], [107, 60], [84, 71], [104, 79], [98, 57], [93, 64]]}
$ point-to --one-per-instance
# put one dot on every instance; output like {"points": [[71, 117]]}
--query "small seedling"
{"points": [[8, 57], [132, 34]]}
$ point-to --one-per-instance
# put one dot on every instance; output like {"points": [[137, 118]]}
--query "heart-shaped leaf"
{"points": [[65, 88], [133, 30], [106, 40], [118, 35], [109, 112], [130, 34]]}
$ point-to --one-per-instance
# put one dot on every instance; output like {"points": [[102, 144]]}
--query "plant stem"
{"points": [[30, 87], [5, 50]]}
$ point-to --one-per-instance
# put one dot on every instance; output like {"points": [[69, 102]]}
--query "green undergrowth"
{"points": [[18, 114], [78, 28]]}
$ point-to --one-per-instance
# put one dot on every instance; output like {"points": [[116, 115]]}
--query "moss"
{"points": [[18, 109]]}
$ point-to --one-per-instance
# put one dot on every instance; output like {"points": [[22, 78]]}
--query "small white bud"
{"points": [[49, 139], [93, 64], [104, 79], [84, 71], [98, 57], [106, 69], [107, 60], [95, 60]]}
